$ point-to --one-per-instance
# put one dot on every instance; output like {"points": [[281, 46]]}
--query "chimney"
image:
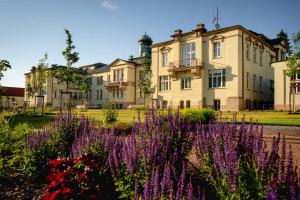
{"points": [[177, 34], [200, 29]]}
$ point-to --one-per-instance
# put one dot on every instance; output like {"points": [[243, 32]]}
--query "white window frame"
{"points": [[248, 52], [260, 57], [164, 83], [188, 54], [254, 82], [247, 79], [254, 54], [165, 60], [217, 78], [186, 83], [217, 49]]}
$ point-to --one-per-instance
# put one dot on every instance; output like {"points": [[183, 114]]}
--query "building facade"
{"points": [[116, 83], [225, 69], [283, 98], [11, 97]]}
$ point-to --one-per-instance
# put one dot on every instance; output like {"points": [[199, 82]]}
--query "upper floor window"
{"points": [[165, 59], [217, 49], [108, 78], [247, 80], [141, 75], [186, 83], [97, 94], [271, 85], [261, 57], [216, 78], [100, 80], [164, 83], [260, 84], [298, 88], [254, 81], [283, 56], [296, 77], [117, 93], [248, 52], [90, 81], [254, 54], [101, 94], [188, 53]]}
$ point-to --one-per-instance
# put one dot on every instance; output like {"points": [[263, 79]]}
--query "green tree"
{"points": [[283, 35], [68, 74], [41, 74], [145, 84], [4, 66], [293, 69]]}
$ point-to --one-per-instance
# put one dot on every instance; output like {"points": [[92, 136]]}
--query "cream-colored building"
{"points": [[283, 100], [226, 69], [11, 97], [116, 83]]}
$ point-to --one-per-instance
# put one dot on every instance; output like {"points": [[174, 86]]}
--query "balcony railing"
{"points": [[116, 83], [193, 65]]}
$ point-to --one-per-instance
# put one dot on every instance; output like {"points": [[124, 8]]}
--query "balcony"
{"points": [[194, 66], [121, 84]]}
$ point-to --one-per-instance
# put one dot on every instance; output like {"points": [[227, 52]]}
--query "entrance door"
{"points": [[217, 104]]}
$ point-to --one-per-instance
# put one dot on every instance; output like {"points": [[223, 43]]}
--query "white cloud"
{"points": [[109, 5]]}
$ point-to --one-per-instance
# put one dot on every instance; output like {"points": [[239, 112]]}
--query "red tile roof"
{"points": [[12, 91]]}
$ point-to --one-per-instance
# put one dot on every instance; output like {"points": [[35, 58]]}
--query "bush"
{"points": [[80, 178], [121, 128], [203, 116], [12, 143], [110, 114]]}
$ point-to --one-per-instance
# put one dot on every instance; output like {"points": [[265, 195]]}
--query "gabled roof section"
{"points": [[121, 60]]}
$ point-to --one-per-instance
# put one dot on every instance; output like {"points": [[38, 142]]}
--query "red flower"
{"points": [[65, 190], [54, 194]]}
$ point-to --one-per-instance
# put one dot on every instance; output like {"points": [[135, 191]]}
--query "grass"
{"points": [[266, 117], [128, 116]]}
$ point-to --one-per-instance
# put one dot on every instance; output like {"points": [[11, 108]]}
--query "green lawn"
{"points": [[128, 116], [266, 117]]}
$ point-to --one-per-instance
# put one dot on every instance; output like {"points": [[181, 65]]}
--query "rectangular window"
{"points": [[186, 83], [55, 93], [181, 104], [298, 88], [248, 52], [141, 75], [247, 80], [254, 82], [261, 57], [283, 57], [188, 54], [188, 104], [122, 74], [164, 83], [115, 76], [254, 54], [297, 77], [217, 49], [80, 95], [101, 94], [165, 59], [118, 75], [260, 84], [117, 93], [90, 81], [108, 78], [121, 93], [271, 85], [97, 94], [216, 78], [90, 94], [113, 91]]}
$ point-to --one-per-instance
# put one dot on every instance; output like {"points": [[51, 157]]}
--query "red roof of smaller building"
{"points": [[12, 91]]}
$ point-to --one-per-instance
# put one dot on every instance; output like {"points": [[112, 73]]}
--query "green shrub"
{"points": [[203, 116], [12, 145], [110, 114], [121, 128]]}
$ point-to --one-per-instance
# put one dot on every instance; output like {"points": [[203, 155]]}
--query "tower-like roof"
{"points": [[146, 39]]}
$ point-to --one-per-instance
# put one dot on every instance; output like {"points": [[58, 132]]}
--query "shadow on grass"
{"points": [[35, 122]]}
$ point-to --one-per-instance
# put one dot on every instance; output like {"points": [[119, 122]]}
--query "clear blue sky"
{"points": [[104, 30]]}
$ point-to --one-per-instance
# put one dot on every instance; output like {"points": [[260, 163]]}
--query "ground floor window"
{"points": [[188, 104], [216, 78], [217, 104], [186, 83], [164, 83], [181, 104]]}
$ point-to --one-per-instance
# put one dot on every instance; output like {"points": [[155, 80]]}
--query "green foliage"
{"points": [[85, 86], [12, 145], [4, 65], [110, 114], [68, 74], [199, 116], [145, 84], [283, 35]]}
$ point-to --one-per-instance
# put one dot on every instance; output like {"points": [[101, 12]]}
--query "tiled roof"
{"points": [[12, 91]]}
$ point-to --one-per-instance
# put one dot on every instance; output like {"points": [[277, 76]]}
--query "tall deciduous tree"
{"points": [[68, 74], [293, 69], [145, 84], [283, 35]]}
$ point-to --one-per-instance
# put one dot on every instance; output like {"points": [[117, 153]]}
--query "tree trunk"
{"points": [[290, 99], [293, 99]]}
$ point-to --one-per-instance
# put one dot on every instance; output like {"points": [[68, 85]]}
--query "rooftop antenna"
{"points": [[216, 20]]}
